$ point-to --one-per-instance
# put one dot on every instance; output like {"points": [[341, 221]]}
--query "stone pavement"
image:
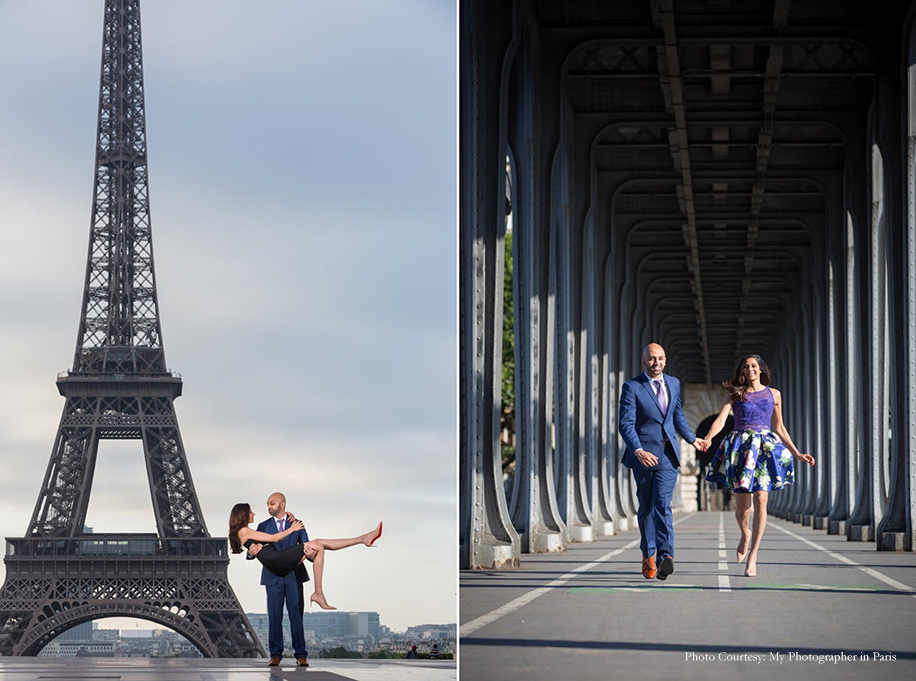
{"points": [[187, 669], [820, 608]]}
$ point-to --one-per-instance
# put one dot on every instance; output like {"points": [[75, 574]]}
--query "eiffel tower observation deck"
{"points": [[119, 387]]}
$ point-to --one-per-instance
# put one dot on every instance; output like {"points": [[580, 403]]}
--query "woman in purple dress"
{"points": [[757, 456]]}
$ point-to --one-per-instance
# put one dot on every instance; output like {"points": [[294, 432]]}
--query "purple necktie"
{"points": [[662, 397], [280, 524]]}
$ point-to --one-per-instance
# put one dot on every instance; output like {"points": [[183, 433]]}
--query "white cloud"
{"points": [[302, 182]]}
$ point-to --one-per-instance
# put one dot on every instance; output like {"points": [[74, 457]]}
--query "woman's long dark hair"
{"points": [[238, 519], [737, 386]]}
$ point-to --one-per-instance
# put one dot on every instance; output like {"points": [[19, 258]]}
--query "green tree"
{"points": [[507, 406], [339, 652], [385, 655]]}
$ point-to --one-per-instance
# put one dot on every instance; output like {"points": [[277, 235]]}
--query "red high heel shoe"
{"points": [[379, 529]]}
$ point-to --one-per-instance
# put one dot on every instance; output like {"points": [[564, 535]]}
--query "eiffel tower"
{"points": [[57, 576]]}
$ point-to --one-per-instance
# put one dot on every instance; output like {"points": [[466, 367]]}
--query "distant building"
{"points": [[58, 648], [428, 632], [359, 631], [337, 623], [81, 632], [141, 633]]}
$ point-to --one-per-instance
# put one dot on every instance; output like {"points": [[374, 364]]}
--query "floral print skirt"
{"points": [[752, 461]]}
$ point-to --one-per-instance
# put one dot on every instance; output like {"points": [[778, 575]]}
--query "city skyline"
{"points": [[302, 188]]}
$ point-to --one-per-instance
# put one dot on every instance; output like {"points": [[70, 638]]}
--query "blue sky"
{"points": [[302, 162]]}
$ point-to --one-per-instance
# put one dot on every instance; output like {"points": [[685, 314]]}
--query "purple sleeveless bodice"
{"points": [[755, 413]]}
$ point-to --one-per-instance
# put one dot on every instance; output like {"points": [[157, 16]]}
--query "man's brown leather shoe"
{"points": [[302, 662], [274, 662], [648, 567]]}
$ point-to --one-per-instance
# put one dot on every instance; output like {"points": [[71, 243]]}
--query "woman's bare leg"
{"points": [[314, 551], [760, 523], [318, 573], [742, 515]]}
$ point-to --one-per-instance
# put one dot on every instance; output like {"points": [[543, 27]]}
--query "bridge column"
{"points": [[533, 506], [487, 538], [910, 373], [878, 394], [850, 377], [572, 491], [794, 404], [593, 374], [617, 472], [860, 526], [891, 529], [836, 422]]}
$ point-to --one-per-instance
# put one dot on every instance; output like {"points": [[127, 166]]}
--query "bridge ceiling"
{"points": [[718, 134]]}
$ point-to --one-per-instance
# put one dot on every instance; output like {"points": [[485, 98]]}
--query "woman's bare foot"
{"points": [[751, 569], [741, 552], [370, 537], [321, 601]]}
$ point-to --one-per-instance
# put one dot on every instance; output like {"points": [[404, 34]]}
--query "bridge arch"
{"points": [[61, 615]]}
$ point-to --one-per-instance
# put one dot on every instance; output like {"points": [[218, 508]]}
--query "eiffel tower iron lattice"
{"points": [[119, 388]]}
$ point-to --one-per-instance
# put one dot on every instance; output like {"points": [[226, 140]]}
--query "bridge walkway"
{"points": [[588, 613]]}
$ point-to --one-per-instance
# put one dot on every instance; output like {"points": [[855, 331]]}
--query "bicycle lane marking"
{"points": [[470, 627], [900, 586]]}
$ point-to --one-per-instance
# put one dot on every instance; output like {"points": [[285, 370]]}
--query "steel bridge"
{"points": [[717, 176]]}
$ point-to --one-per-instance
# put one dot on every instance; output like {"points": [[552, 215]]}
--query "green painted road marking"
{"points": [[817, 587], [635, 588]]}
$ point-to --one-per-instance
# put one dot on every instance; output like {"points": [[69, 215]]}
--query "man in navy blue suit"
{"points": [[650, 414], [286, 589]]}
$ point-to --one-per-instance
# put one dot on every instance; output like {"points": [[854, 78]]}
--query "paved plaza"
{"points": [[818, 606], [119, 669]]}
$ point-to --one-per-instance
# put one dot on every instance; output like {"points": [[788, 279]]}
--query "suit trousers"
{"points": [[654, 490], [287, 590]]}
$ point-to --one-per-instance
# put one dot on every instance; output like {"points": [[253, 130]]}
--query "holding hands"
{"points": [[648, 459], [701, 444]]}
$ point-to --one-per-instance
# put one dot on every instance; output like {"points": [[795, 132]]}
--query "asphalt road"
{"points": [[820, 608]]}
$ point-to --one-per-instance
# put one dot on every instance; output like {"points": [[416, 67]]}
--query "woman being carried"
{"points": [[753, 459], [282, 562]]}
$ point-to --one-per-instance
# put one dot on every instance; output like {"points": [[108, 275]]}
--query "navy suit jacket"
{"points": [[300, 574], [641, 424]]}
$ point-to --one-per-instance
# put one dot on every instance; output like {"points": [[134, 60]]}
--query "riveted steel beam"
{"points": [[673, 89]]}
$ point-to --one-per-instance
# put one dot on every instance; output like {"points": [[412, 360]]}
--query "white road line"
{"points": [[724, 583], [470, 627], [843, 559]]}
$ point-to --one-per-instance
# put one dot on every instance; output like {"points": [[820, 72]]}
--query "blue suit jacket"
{"points": [[640, 421], [301, 537]]}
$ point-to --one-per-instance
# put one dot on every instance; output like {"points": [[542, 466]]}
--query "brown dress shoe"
{"points": [[648, 567], [302, 662], [274, 662]]}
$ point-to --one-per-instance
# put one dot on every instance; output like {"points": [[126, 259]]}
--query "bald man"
{"points": [[650, 415], [283, 590]]}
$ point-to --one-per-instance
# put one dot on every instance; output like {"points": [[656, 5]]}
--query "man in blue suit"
{"points": [[286, 589], [650, 414]]}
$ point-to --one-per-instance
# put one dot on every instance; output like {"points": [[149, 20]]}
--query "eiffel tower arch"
{"points": [[120, 388]]}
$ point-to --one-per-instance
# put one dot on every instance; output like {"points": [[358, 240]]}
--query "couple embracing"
{"points": [[754, 459], [281, 545]]}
